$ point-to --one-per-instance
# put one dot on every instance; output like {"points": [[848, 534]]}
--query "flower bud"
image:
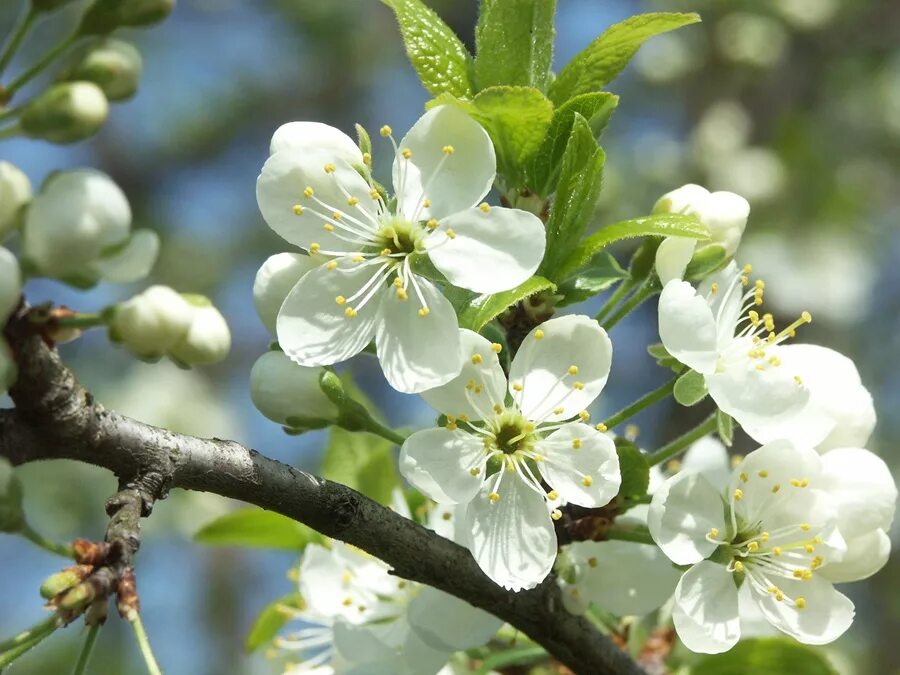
{"points": [[66, 113], [208, 338], [78, 598], [281, 389], [112, 65], [152, 322], [274, 280], [12, 517], [15, 192], [10, 284], [332, 387], [104, 16], [64, 580]]}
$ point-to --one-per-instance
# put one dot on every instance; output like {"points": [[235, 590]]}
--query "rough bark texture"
{"points": [[56, 418]]}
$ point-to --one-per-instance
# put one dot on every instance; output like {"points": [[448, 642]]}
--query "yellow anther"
{"points": [[806, 527], [776, 551], [559, 410], [809, 548], [573, 370], [738, 495], [776, 488], [528, 428], [798, 380], [673, 466], [753, 546], [714, 288], [314, 248], [587, 481], [736, 460], [754, 317], [713, 532], [448, 150], [800, 602], [806, 316], [361, 608], [346, 602], [386, 131], [538, 334], [328, 227], [331, 264], [497, 408], [450, 233], [496, 347], [451, 426], [475, 471], [764, 537], [553, 495], [350, 312], [424, 311], [494, 497], [773, 589], [539, 458], [432, 224], [426, 203], [516, 386], [357, 258], [374, 194], [385, 252], [485, 207], [367, 159], [298, 210], [556, 514], [738, 566], [576, 443], [463, 418], [762, 473], [330, 168], [760, 284], [402, 295], [352, 201], [779, 596], [601, 427], [592, 562], [308, 192], [578, 385], [744, 477], [584, 416], [816, 562], [477, 358], [406, 152], [818, 539], [775, 361], [748, 268], [340, 299]]}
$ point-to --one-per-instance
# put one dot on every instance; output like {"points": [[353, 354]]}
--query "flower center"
{"points": [[512, 437], [399, 236]]}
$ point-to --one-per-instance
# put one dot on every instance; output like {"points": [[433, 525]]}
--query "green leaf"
{"points": [[361, 461], [725, 427], [602, 60], [544, 168], [764, 656], [663, 358], [634, 468], [662, 225], [271, 620], [576, 195], [690, 388], [514, 43], [438, 56], [485, 307], [257, 528], [599, 274]]}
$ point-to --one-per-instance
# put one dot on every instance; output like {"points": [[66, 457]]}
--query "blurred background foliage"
{"points": [[794, 104]]}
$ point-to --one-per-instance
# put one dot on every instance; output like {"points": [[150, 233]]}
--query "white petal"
{"points": [[448, 521], [681, 514], [753, 622], [706, 609], [626, 578], [725, 214], [481, 368], [512, 540], [672, 258], [687, 327], [681, 199], [490, 252], [542, 368], [275, 279], [826, 616], [453, 182], [10, 284], [861, 487], [438, 462], [418, 352], [361, 644], [208, 340], [567, 468], [865, 555], [280, 187], [709, 457], [313, 329], [132, 263], [725, 302], [447, 623], [329, 579], [314, 136], [281, 389]]}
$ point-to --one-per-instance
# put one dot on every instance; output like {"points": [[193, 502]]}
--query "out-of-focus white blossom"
{"points": [[15, 192]]}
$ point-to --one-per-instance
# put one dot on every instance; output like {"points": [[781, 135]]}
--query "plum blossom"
{"points": [[495, 457], [316, 191]]}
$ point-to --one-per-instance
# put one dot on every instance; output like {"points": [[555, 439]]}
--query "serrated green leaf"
{"points": [[602, 60], [486, 307], [361, 461], [257, 528], [543, 170], [514, 43], [634, 469], [663, 225], [725, 427], [439, 57], [690, 388], [599, 274], [580, 175], [271, 620], [765, 656]]}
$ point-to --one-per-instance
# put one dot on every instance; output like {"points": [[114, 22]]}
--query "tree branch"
{"points": [[56, 418]]}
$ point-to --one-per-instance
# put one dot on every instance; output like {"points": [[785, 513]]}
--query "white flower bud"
{"points": [[10, 284], [274, 280], [208, 338], [281, 389], [113, 65], [15, 192], [66, 113], [104, 16], [151, 323]]}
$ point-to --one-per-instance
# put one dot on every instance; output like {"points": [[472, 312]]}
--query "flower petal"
{"points": [[418, 352], [541, 375], [725, 302], [587, 475], [313, 329], [706, 609], [865, 555], [438, 463], [491, 251], [683, 510], [280, 188], [826, 616], [480, 384], [328, 580], [314, 136], [452, 182], [687, 327], [709, 457], [275, 279], [681, 199], [625, 578], [512, 540], [725, 214], [446, 623], [672, 258], [861, 487], [131, 263]]}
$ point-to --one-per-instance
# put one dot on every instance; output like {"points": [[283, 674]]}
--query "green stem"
{"points": [[38, 539], [144, 644], [85, 320], [38, 67], [385, 432], [647, 290], [621, 290], [518, 656], [87, 649], [27, 639], [636, 535], [681, 443], [16, 37], [644, 401]]}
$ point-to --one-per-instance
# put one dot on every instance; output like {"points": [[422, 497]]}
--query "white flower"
{"points": [[314, 191], [275, 279], [280, 389], [152, 322], [716, 331], [559, 370], [723, 213], [78, 228], [207, 340], [773, 530], [15, 192]]}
